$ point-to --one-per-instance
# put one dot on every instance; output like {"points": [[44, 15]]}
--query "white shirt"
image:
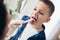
{"points": [[28, 32]]}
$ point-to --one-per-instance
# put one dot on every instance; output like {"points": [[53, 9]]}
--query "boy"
{"points": [[41, 13]]}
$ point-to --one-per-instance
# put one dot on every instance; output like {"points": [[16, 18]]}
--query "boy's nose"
{"points": [[35, 13]]}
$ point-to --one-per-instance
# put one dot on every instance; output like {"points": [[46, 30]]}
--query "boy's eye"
{"points": [[35, 9], [41, 13]]}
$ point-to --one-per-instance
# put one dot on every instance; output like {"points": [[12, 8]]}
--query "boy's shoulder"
{"points": [[39, 36]]}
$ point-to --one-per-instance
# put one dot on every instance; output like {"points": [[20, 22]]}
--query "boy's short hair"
{"points": [[50, 6]]}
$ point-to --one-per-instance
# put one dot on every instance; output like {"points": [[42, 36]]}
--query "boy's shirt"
{"points": [[28, 32]]}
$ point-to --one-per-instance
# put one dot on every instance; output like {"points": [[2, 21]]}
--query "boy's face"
{"points": [[40, 13]]}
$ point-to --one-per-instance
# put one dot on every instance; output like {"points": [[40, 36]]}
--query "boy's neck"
{"points": [[37, 27]]}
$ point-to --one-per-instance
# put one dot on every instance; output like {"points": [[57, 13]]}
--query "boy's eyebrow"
{"points": [[35, 7]]}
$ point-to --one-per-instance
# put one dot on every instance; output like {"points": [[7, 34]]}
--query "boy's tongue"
{"points": [[32, 20]]}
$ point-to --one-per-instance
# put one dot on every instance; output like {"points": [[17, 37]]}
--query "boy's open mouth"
{"points": [[34, 18]]}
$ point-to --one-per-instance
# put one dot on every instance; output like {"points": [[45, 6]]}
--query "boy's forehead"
{"points": [[41, 3]]}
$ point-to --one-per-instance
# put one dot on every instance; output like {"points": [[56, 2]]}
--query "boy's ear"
{"points": [[48, 19]]}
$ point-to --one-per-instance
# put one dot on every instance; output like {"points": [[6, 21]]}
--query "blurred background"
{"points": [[18, 8]]}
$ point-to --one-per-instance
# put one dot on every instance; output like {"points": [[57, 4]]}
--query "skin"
{"points": [[40, 15]]}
